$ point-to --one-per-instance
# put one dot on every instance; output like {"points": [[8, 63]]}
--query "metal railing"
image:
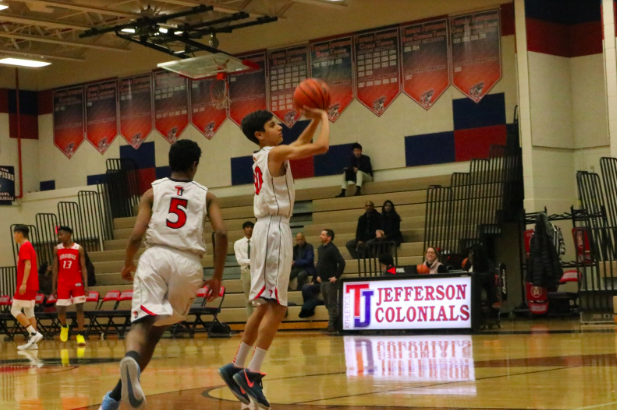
{"points": [[8, 280], [368, 263]]}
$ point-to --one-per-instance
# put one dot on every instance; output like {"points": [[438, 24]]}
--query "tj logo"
{"points": [[361, 294]]}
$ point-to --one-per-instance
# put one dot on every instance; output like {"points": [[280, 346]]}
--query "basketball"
{"points": [[422, 269], [312, 93]]}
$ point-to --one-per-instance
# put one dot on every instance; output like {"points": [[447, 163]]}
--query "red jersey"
{"points": [[27, 253], [69, 266]]}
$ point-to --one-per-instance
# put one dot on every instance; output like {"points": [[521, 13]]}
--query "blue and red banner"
{"points": [[102, 114], [247, 90], [332, 62], [136, 110], [206, 115], [69, 121], [7, 185], [378, 77], [476, 52], [425, 53], [171, 105], [286, 69]]}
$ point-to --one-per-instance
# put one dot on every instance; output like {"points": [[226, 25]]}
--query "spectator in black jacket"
{"points": [[390, 229], [45, 278], [330, 267], [359, 171], [368, 224], [303, 264]]}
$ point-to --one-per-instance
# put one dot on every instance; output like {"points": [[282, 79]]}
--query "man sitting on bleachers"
{"points": [[303, 264], [359, 171], [366, 231]]}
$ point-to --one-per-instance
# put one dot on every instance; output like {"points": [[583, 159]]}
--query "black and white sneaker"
{"points": [[132, 394]]}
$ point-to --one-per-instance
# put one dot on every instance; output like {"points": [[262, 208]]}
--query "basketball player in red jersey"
{"points": [[27, 287], [70, 281]]}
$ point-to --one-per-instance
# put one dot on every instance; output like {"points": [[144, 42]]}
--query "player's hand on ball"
{"points": [[215, 288], [22, 289], [314, 113], [127, 272]]}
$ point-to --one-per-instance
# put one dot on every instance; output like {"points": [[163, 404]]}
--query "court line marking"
{"points": [[597, 406]]}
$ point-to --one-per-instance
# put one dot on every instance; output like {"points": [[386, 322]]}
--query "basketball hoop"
{"points": [[209, 65], [219, 92]]}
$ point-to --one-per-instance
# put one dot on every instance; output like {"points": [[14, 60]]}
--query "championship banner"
{"points": [[206, 115], [425, 56], [7, 185], [102, 114], [331, 61], [69, 119], [136, 109], [286, 69], [171, 105], [247, 90], [378, 77], [476, 52]]}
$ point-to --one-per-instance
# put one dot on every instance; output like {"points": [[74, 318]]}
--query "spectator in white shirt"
{"points": [[242, 249]]}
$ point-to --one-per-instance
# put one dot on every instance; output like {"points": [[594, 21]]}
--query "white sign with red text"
{"points": [[438, 303]]}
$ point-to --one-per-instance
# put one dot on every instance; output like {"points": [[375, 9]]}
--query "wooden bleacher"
{"points": [[339, 214]]}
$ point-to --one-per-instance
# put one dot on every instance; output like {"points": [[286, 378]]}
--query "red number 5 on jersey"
{"points": [[178, 207], [258, 179]]}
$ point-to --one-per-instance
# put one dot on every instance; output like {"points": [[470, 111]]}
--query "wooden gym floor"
{"points": [[537, 365]]}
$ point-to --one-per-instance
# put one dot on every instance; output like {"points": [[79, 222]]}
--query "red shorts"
{"points": [[69, 294], [29, 295]]}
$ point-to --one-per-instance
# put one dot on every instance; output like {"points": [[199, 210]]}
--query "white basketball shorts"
{"points": [[271, 258], [166, 283]]}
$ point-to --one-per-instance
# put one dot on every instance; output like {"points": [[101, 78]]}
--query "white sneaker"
{"points": [[132, 394], [32, 342]]}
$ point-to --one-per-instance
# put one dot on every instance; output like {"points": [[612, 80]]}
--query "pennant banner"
{"points": [[69, 119], [171, 113], [102, 114], [247, 90], [476, 52], [205, 115], [7, 185], [286, 69], [425, 55], [136, 109], [331, 61]]}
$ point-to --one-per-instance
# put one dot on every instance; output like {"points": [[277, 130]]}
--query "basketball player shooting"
{"points": [[271, 253], [171, 217]]}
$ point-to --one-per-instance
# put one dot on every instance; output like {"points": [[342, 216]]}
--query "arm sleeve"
{"points": [[340, 262], [25, 253]]}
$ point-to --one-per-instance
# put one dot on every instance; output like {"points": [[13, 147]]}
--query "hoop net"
{"points": [[219, 92]]}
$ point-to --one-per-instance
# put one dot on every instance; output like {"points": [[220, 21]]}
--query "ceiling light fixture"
{"points": [[163, 30], [3, 6], [22, 62], [128, 30]]}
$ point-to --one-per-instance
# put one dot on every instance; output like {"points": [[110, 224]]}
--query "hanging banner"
{"points": [[69, 119], [378, 78], [331, 61], [136, 109], [7, 185], [425, 56], [476, 52], [102, 114], [171, 105], [247, 90], [207, 115], [286, 69]]}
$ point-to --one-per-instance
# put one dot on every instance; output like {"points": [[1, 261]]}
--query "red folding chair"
{"points": [[5, 307], [103, 310]]}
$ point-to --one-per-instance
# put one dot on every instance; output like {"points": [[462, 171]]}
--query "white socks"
{"points": [[30, 330], [241, 355], [257, 360]]}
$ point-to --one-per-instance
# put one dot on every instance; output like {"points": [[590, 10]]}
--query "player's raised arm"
{"points": [[307, 134], [284, 152], [220, 244], [141, 226]]}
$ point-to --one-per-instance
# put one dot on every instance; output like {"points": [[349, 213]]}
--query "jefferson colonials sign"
{"points": [[440, 303]]}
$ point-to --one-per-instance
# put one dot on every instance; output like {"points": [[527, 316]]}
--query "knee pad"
{"points": [[29, 312], [15, 311]]}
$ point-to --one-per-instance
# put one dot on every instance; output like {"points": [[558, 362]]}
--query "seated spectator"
{"points": [[390, 226], [45, 278], [480, 264], [359, 171], [432, 263], [303, 264], [366, 231]]}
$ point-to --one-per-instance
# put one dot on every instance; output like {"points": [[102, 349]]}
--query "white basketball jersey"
{"points": [[178, 214], [273, 195]]}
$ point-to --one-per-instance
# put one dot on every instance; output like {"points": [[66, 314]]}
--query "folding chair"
{"points": [[198, 312], [125, 296], [199, 301], [102, 310], [46, 330], [91, 304], [5, 315]]}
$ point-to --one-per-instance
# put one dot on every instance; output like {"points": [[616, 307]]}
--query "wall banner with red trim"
{"points": [[205, 115], [425, 61], [476, 52], [102, 114], [286, 69], [171, 104], [136, 110], [247, 90], [378, 77], [69, 119], [332, 62]]}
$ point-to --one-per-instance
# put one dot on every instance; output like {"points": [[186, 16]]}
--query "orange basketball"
{"points": [[422, 269], [312, 93]]}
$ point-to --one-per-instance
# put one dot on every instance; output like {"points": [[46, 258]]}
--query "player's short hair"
{"points": [[183, 154], [65, 229], [329, 233], [356, 145], [247, 224], [23, 229], [254, 122]]}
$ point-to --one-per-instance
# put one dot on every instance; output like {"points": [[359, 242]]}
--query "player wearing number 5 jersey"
{"points": [[171, 217], [271, 250]]}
